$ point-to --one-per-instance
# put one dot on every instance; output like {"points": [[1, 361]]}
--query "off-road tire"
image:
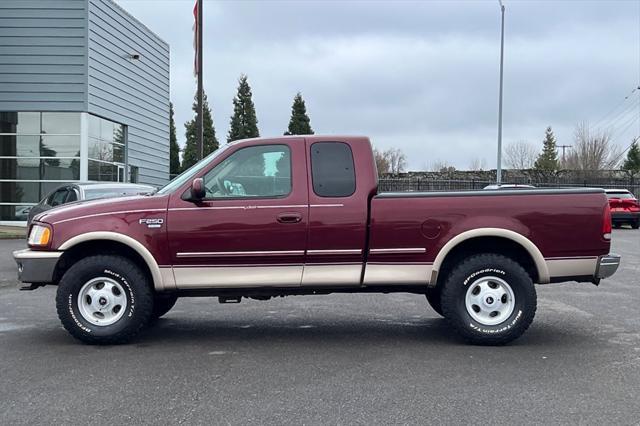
{"points": [[469, 271], [136, 288], [162, 304], [433, 295]]}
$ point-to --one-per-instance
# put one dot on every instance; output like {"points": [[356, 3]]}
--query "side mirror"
{"points": [[198, 191]]}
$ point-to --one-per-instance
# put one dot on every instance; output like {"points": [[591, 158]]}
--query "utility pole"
{"points": [[563, 147], [499, 167], [199, 120]]}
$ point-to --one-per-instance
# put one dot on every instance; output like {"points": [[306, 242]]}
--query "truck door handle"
{"points": [[289, 217]]}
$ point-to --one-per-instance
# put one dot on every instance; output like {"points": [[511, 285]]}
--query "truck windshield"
{"points": [[188, 174]]}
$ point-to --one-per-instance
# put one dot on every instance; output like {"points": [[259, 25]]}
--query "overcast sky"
{"points": [[418, 75]]}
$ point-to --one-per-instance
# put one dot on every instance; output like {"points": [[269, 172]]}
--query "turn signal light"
{"points": [[40, 236]]}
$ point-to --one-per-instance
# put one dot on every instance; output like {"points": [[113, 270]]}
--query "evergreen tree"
{"points": [[174, 149], [548, 159], [299, 124], [244, 123], [209, 141], [632, 162]]}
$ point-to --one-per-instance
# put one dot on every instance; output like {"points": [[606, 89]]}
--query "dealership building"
{"points": [[84, 96]]}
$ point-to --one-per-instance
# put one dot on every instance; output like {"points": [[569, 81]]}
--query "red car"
{"points": [[625, 208], [301, 215]]}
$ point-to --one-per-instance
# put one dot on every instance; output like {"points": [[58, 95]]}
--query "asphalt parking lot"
{"points": [[339, 359]]}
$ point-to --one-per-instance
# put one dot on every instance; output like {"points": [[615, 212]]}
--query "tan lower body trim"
{"points": [[238, 276], [571, 266], [331, 275], [397, 274]]}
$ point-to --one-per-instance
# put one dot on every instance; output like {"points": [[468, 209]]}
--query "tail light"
{"points": [[635, 206], [606, 222]]}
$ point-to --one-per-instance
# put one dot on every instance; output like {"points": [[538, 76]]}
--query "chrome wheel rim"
{"points": [[102, 301], [490, 300]]}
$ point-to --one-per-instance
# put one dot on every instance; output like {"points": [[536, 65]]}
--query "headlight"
{"points": [[39, 236]]}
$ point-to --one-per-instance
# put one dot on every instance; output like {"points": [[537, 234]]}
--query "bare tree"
{"points": [[592, 151], [441, 166], [382, 164], [478, 164], [520, 155], [397, 160], [392, 160]]}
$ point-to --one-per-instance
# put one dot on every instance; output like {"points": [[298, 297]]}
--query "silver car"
{"points": [[71, 192]]}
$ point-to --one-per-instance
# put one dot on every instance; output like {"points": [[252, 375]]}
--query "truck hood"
{"points": [[102, 207]]}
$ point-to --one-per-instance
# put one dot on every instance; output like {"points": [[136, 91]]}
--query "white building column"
{"points": [[84, 146]]}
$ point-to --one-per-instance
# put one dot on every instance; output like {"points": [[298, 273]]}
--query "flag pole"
{"points": [[200, 124]]}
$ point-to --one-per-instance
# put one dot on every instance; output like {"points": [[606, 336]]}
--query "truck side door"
{"points": [[251, 228], [337, 215]]}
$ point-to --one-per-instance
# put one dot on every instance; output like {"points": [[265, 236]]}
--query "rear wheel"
{"points": [[636, 224], [433, 297], [104, 300], [489, 299]]}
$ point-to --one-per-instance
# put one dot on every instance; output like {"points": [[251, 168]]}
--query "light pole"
{"points": [[499, 167]]}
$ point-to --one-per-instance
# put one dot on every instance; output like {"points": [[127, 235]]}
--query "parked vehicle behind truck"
{"points": [[301, 215]]}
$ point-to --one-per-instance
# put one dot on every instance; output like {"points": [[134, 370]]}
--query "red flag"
{"points": [[195, 39]]}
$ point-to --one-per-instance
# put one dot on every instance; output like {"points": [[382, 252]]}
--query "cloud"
{"points": [[421, 76]]}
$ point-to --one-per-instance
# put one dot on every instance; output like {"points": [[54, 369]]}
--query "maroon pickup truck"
{"points": [[297, 215]]}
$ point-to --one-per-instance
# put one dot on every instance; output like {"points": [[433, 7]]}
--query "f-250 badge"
{"points": [[151, 223]]}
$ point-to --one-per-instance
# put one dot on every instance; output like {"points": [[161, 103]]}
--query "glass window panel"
{"points": [[61, 123], [28, 122], [9, 145], [106, 130], [94, 126], [20, 122], [118, 153], [16, 212], [8, 121], [258, 171], [99, 150], [60, 146], [133, 174], [20, 169], [332, 169], [36, 146], [20, 192], [118, 133], [102, 172], [105, 151], [60, 169]]}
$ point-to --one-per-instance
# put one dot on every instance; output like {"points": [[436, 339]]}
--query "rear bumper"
{"points": [[624, 216], [36, 266], [607, 265]]}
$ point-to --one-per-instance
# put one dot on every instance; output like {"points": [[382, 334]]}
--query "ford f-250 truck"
{"points": [[261, 218]]}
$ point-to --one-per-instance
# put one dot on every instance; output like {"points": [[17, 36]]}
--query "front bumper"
{"points": [[36, 266], [607, 265]]}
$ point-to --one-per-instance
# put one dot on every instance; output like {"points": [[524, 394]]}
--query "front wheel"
{"points": [[489, 299], [162, 304], [433, 297], [104, 299]]}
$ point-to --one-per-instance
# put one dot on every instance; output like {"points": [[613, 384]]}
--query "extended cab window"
{"points": [[332, 169], [262, 171]]}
